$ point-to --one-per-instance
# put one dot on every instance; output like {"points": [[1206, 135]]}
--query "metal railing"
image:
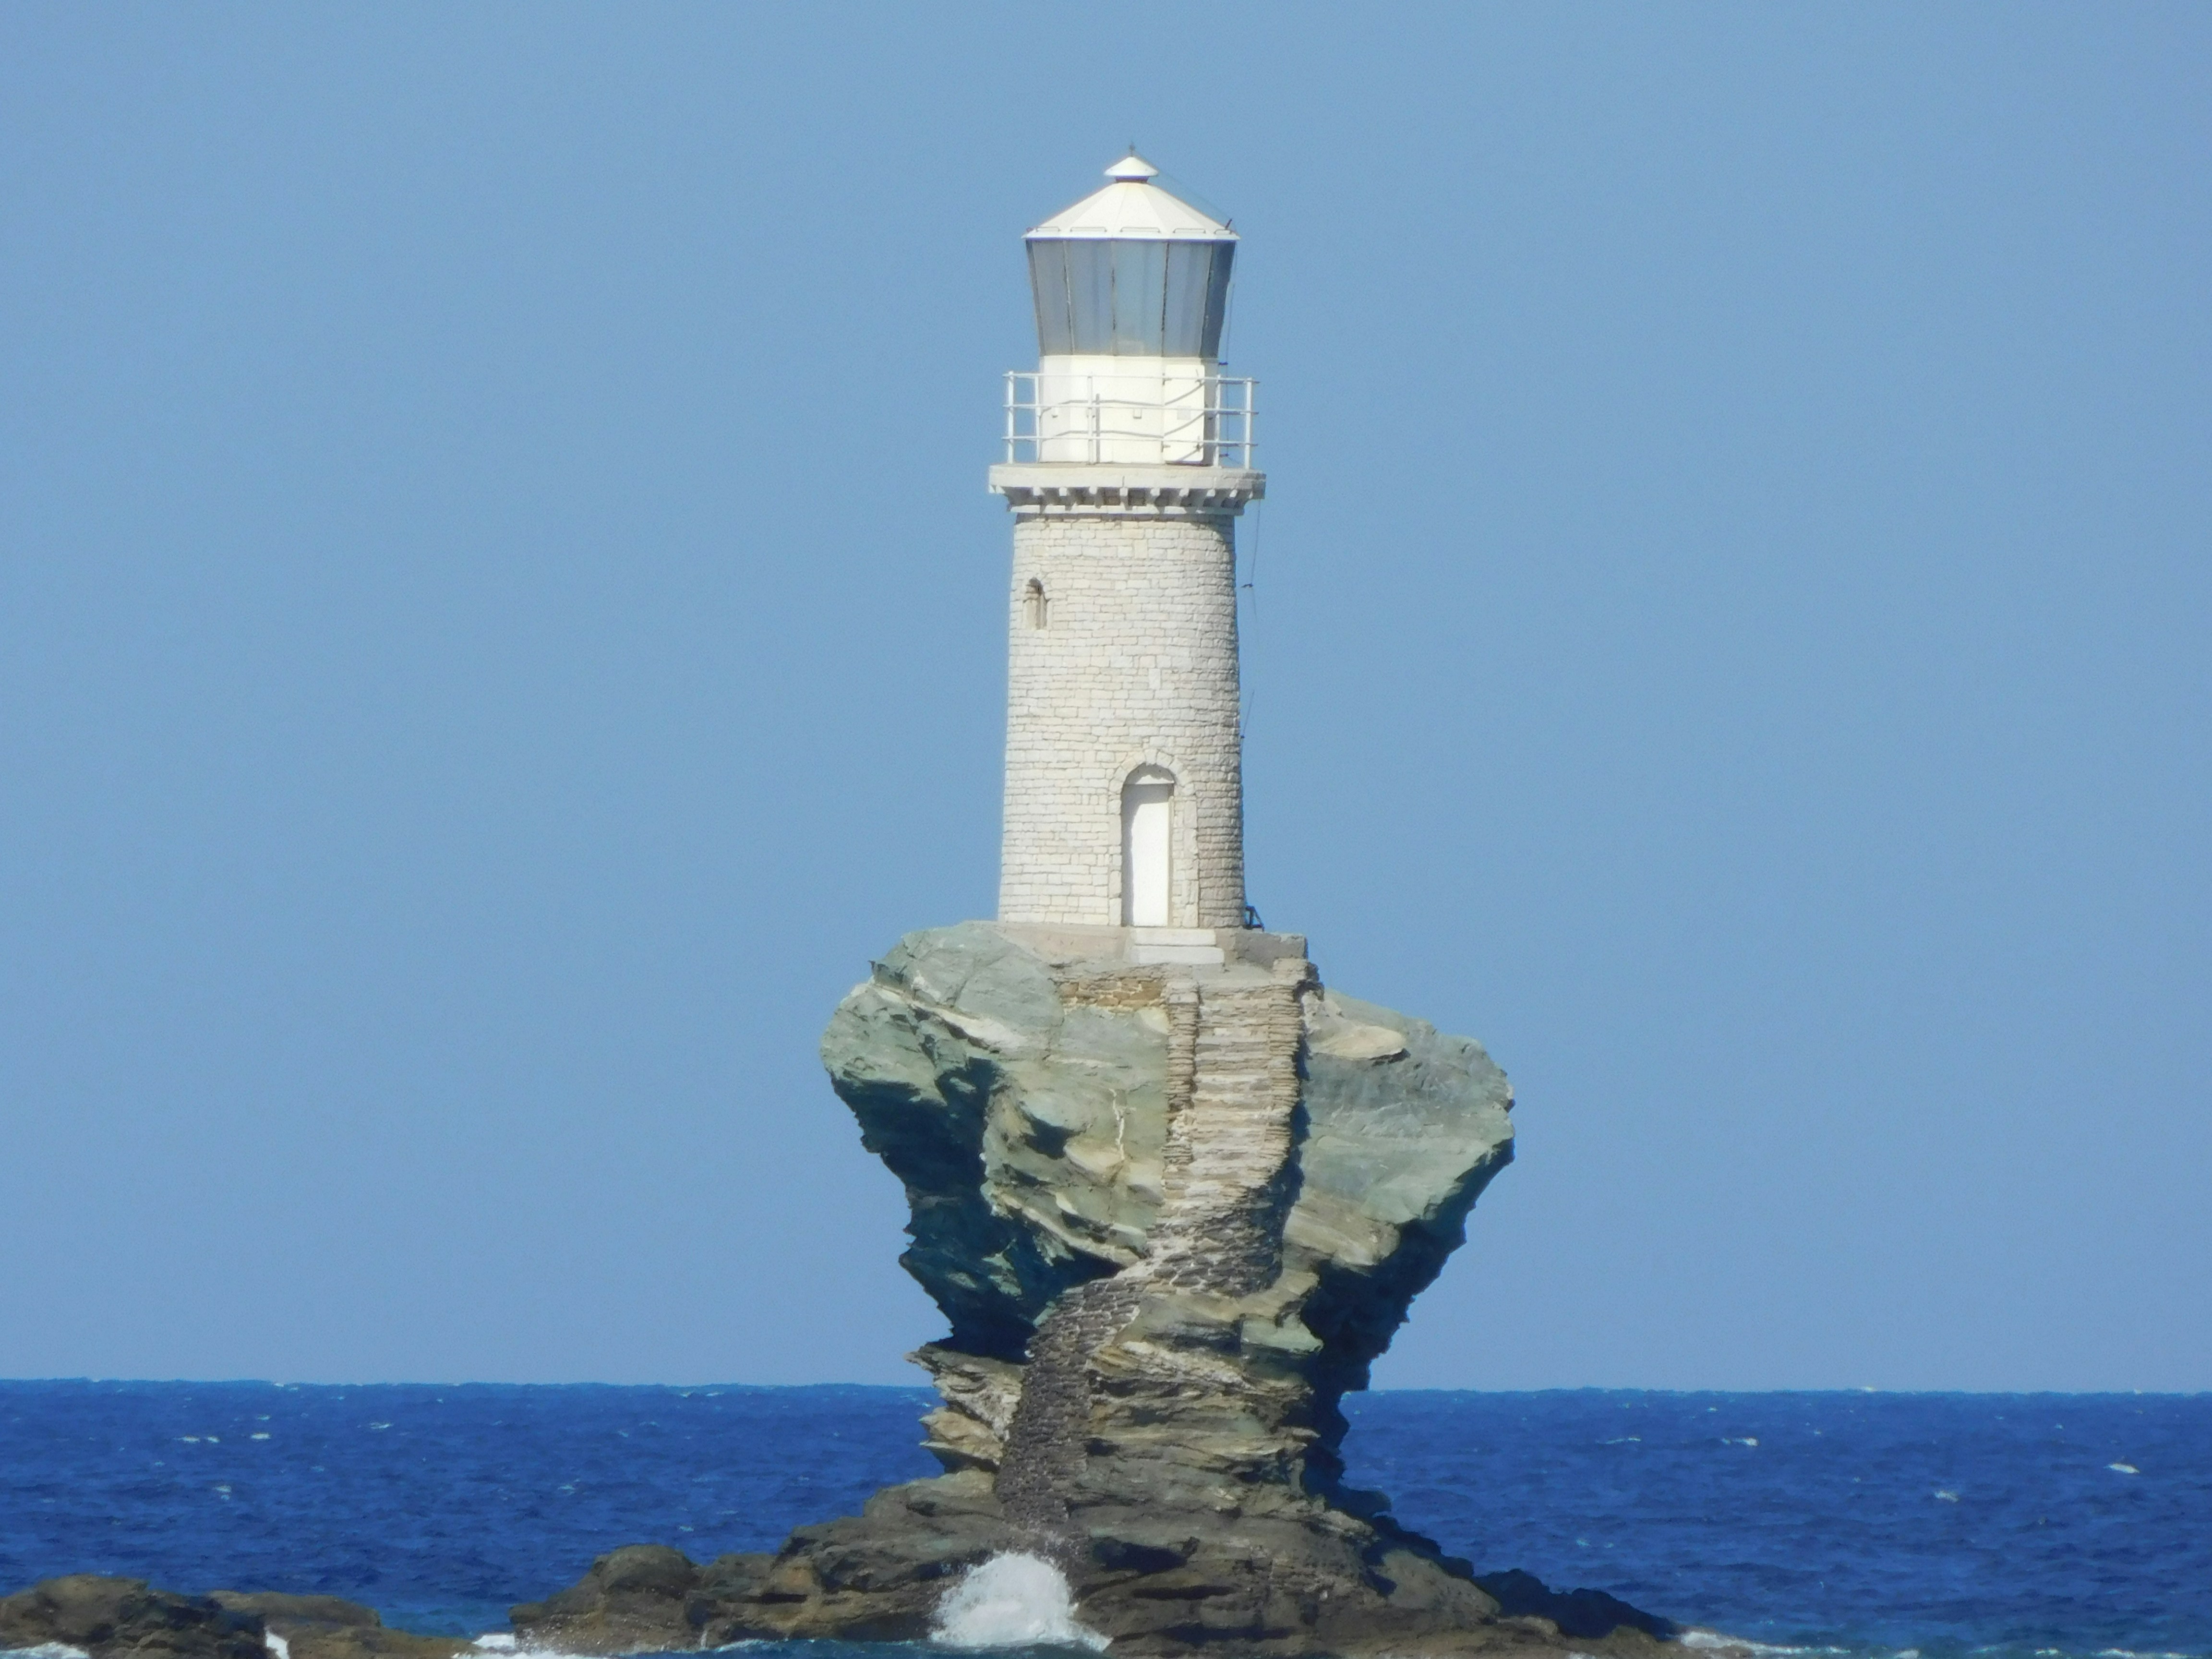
{"points": [[1182, 420]]}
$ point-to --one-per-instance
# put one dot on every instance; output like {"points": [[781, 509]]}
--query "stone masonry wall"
{"points": [[1136, 665]]}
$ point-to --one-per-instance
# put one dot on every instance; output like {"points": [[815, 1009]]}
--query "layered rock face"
{"points": [[1165, 1254], [1172, 1213]]}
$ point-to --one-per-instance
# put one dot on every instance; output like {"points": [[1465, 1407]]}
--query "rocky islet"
{"points": [[1171, 1214]]}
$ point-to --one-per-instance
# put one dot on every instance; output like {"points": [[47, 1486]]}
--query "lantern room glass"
{"points": [[1129, 296]]}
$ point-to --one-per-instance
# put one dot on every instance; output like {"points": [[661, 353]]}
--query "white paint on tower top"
{"points": [[1133, 207]]}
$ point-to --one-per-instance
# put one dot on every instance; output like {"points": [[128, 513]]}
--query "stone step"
{"points": [[1186, 955], [1241, 1171], [1230, 1183]]}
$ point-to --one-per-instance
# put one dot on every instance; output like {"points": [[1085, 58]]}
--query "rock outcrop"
{"points": [[105, 1616], [129, 1618], [331, 1627], [1172, 1213]]}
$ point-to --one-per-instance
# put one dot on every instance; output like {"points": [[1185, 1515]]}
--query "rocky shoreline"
{"points": [[647, 1598], [109, 1617]]}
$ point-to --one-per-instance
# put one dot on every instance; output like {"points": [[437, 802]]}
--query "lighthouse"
{"points": [[1167, 1194], [1129, 456]]}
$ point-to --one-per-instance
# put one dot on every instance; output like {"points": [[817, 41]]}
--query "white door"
{"points": [[1147, 816]]}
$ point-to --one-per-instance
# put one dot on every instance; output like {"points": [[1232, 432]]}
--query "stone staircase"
{"points": [[1045, 1443], [1233, 1042], [1228, 1144]]}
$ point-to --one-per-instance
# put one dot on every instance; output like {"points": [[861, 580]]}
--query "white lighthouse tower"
{"points": [[1129, 456]]}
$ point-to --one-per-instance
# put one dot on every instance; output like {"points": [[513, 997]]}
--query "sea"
{"points": [[1892, 1526]]}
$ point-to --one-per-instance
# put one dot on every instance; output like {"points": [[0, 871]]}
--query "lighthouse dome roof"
{"points": [[1133, 208]]}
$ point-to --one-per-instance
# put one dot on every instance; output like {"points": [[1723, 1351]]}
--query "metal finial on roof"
{"points": [[1132, 205]]}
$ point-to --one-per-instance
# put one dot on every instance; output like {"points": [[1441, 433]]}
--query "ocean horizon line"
{"points": [[922, 1389]]}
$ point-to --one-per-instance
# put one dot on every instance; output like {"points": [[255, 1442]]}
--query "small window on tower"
{"points": [[1033, 608]]}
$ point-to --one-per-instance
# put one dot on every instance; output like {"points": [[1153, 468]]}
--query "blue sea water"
{"points": [[1874, 1523]]}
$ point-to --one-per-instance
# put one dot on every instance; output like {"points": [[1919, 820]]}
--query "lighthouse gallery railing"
{"points": [[1142, 419]]}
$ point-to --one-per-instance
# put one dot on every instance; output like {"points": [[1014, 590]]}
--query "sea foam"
{"points": [[1712, 1640], [1013, 1600]]}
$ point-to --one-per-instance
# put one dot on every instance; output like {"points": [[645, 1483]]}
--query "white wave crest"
{"points": [[46, 1650], [1014, 1601], [1719, 1642]]}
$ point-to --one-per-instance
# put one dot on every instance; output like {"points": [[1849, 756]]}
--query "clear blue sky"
{"points": [[500, 620]]}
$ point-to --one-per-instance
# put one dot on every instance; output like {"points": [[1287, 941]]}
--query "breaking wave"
{"points": [[1012, 1601]]}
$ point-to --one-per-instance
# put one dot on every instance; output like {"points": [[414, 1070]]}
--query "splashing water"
{"points": [[1011, 1601]]}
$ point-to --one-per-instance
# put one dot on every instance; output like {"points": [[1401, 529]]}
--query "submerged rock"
{"points": [[1172, 1214]]}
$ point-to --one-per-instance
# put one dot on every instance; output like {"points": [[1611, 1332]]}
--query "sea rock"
{"points": [[1172, 1213], [634, 1600], [106, 1617], [1576, 1613], [328, 1627]]}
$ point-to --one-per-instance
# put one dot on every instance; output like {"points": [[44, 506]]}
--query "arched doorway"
{"points": [[1147, 847]]}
